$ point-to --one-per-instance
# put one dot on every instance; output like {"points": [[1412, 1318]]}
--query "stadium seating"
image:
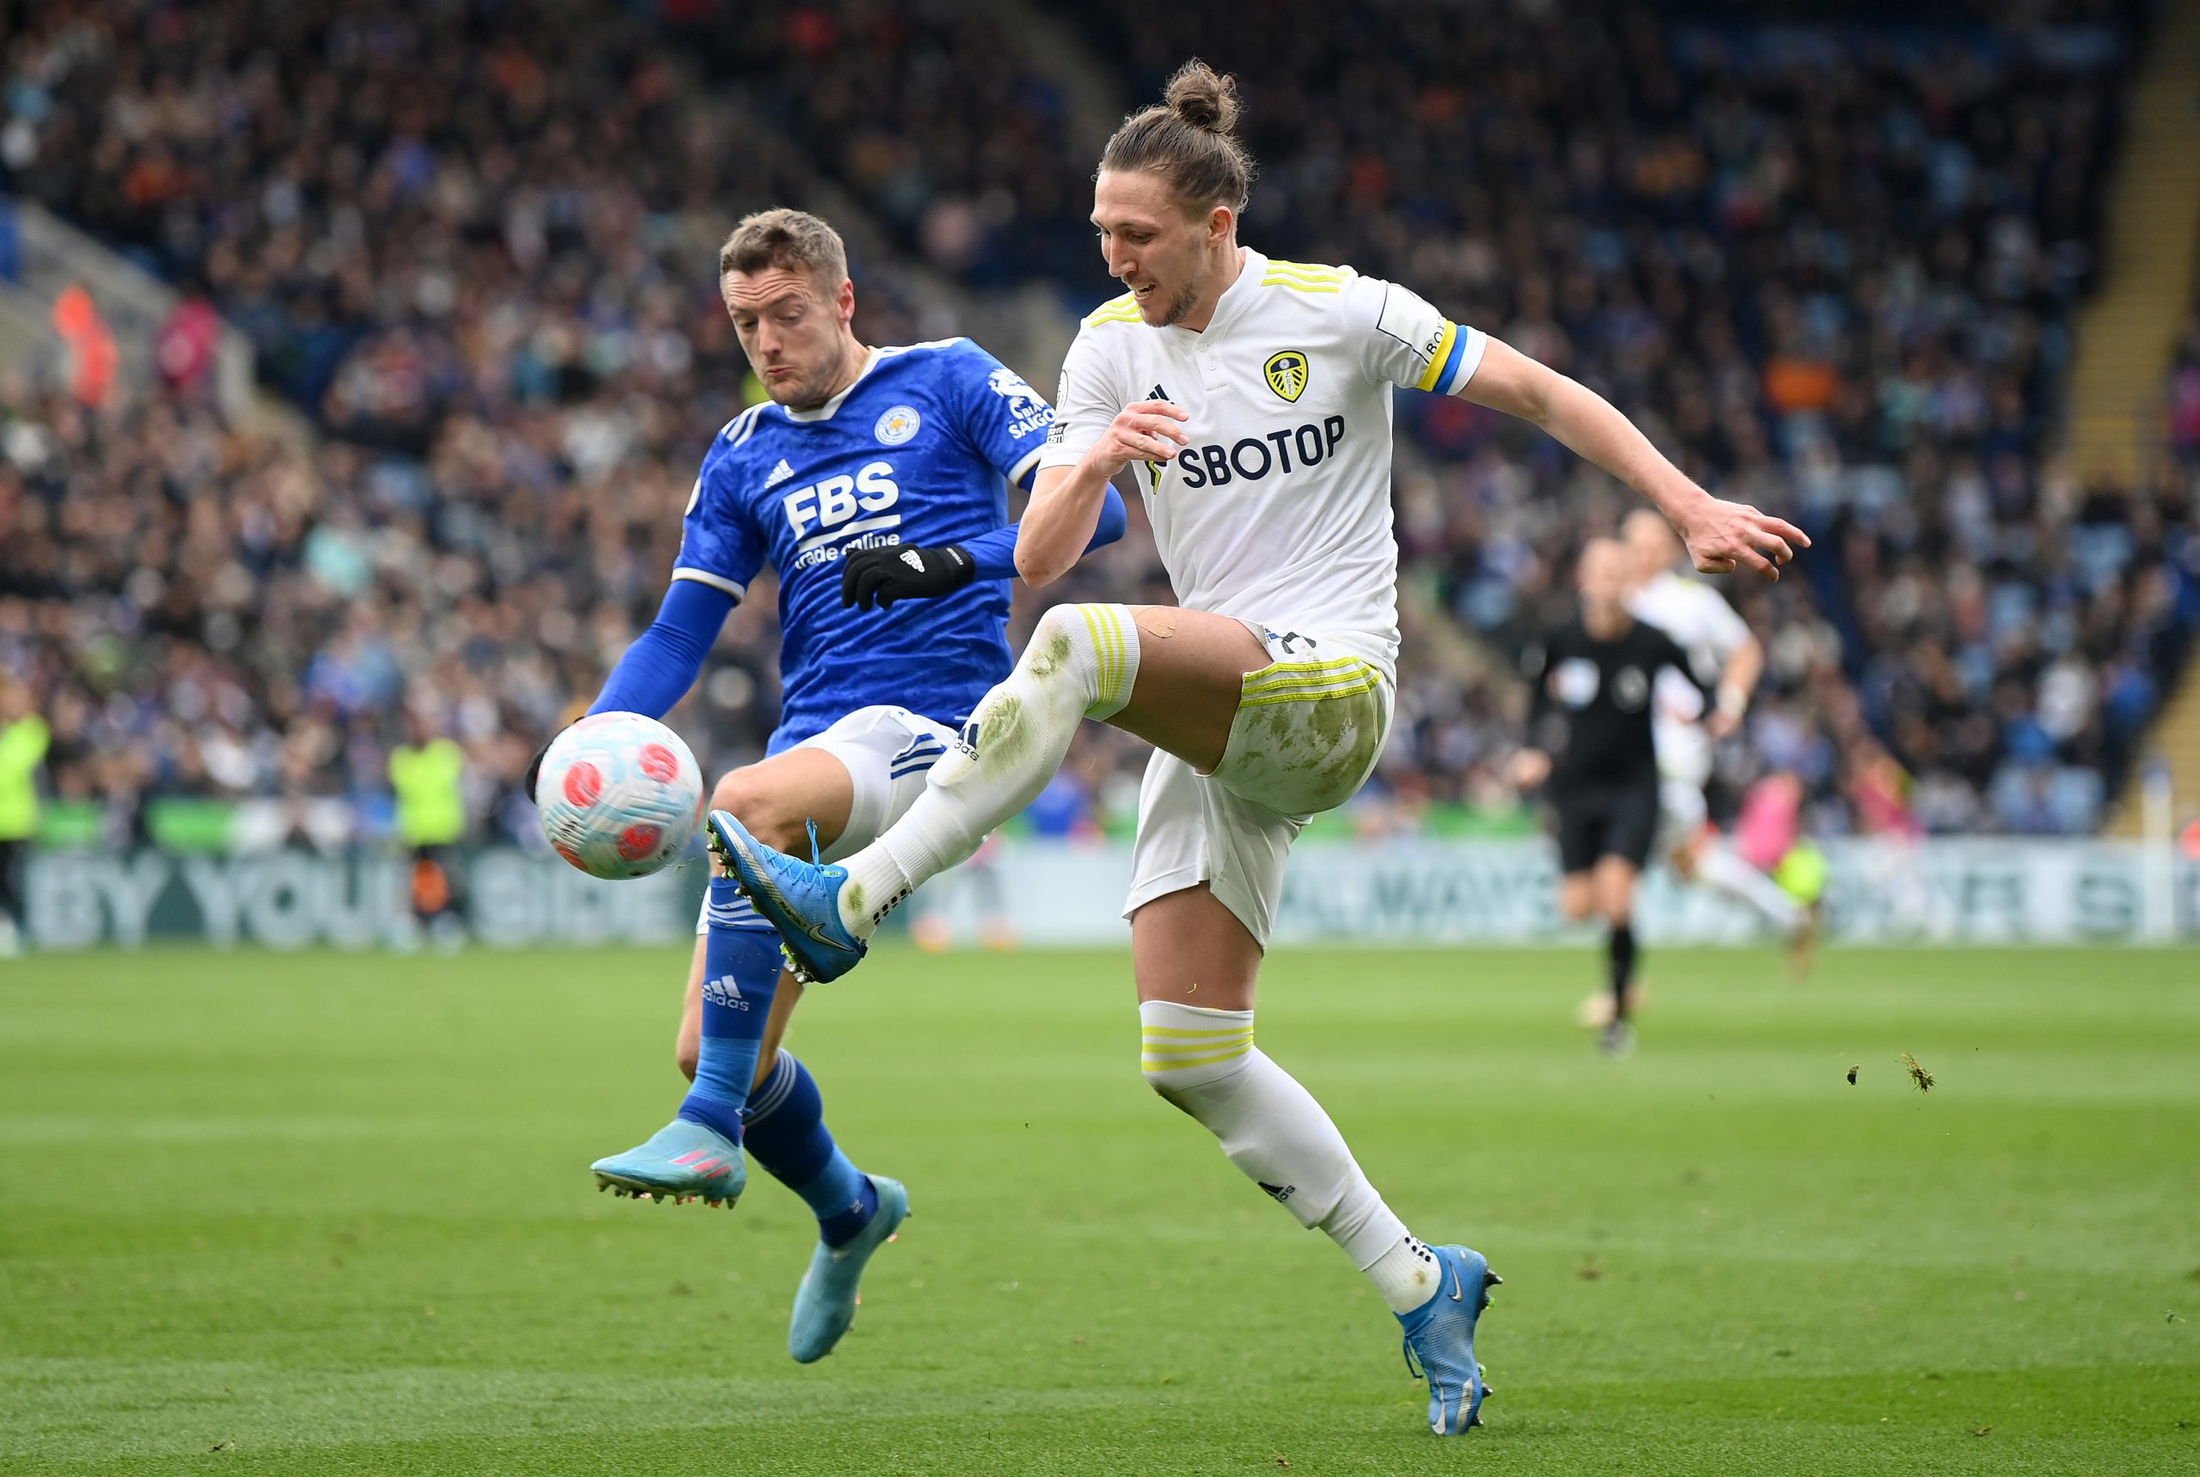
{"points": [[1836, 273]]}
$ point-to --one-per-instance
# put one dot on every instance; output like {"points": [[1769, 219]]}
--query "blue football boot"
{"points": [[825, 1303], [1440, 1340], [800, 899], [681, 1161]]}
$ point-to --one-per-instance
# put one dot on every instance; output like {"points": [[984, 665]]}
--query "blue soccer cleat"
{"points": [[681, 1161], [800, 899], [825, 1303], [1440, 1340]]}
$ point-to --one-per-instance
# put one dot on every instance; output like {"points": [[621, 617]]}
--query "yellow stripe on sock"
{"points": [[1152, 1064], [1099, 644], [1150, 1032], [1119, 645], [1187, 1056], [1107, 645], [1122, 638], [1193, 1048]]}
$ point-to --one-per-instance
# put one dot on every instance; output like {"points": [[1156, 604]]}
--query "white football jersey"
{"points": [[1278, 511], [1702, 624]]}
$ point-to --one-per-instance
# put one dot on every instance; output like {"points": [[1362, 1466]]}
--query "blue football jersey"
{"points": [[919, 451]]}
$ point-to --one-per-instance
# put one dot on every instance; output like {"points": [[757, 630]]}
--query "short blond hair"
{"points": [[793, 240]]}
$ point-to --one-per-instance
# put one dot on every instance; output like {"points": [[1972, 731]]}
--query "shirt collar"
{"points": [[1252, 266], [825, 412]]}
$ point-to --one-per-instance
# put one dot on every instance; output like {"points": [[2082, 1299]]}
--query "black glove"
{"points": [[529, 780], [893, 572]]}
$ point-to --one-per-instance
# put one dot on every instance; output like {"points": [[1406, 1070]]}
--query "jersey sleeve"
{"points": [[1085, 403], [1003, 418], [657, 670], [720, 544], [1405, 341]]}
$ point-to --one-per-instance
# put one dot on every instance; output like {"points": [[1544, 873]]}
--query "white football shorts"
{"points": [[1307, 734], [888, 752]]}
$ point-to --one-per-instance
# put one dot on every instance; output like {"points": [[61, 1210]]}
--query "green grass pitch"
{"points": [[331, 1214]]}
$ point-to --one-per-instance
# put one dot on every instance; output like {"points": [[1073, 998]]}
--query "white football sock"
{"points": [[1205, 1063], [1081, 662], [1407, 1275], [1723, 867]]}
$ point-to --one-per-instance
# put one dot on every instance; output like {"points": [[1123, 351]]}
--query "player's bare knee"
{"points": [[769, 813]]}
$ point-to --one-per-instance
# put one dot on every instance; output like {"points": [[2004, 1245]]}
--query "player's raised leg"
{"points": [[1170, 676]]}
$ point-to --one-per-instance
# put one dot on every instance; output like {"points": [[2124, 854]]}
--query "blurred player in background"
{"points": [[1879, 791], [428, 777], [1769, 840], [1590, 736], [874, 480], [1722, 650], [24, 739], [1251, 398]]}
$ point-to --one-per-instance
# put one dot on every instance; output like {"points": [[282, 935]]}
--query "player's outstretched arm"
{"points": [[1067, 502], [1737, 681], [663, 662], [1721, 536]]}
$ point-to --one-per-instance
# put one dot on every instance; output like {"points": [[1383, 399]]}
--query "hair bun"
{"points": [[1202, 97]]}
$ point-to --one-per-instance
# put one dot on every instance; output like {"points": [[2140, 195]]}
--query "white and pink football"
{"points": [[619, 795]]}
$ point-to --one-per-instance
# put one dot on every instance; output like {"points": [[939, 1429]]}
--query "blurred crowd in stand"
{"points": [[1834, 272]]}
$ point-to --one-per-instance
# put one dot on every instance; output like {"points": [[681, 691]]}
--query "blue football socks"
{"points": [[740, 976], [786, 1134]]}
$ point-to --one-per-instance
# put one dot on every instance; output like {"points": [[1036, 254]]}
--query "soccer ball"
{"points": [[619, 795]]}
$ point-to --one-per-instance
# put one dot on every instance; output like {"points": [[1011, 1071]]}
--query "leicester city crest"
{"points": [[898, 425], [1286, 373]]}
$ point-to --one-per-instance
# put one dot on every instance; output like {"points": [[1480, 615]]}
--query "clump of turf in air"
{"points": [[1918, 1074]]}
